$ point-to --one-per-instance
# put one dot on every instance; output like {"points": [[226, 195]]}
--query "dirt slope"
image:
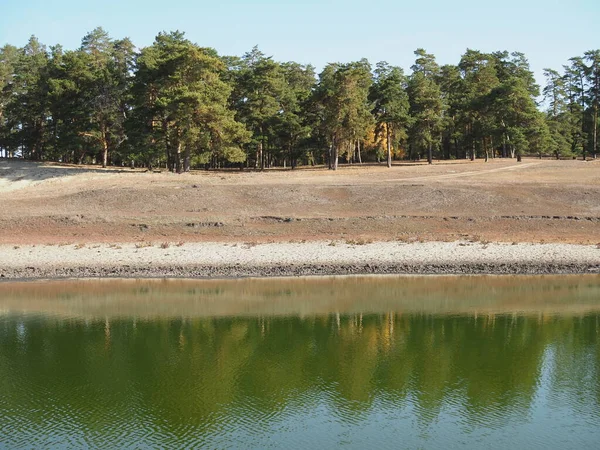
{"points": [[502, 200]]}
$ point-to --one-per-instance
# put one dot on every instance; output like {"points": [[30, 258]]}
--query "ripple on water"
{"points": [[435, 382]]}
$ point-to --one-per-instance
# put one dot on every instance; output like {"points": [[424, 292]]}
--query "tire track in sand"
{"points": [[458, 175]]}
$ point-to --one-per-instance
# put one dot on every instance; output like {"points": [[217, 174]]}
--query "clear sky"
{"points": [[320, 31]]}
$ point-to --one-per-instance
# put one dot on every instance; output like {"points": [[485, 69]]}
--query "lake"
{"points": [[356, 362]]}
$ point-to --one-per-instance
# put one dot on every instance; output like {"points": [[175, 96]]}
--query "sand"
{"points": [[499, 201]]}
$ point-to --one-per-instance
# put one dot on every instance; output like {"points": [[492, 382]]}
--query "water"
{"points": [[376, 362]]}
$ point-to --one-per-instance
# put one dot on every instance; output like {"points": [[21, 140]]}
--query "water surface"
{"points": [[356, 362]]}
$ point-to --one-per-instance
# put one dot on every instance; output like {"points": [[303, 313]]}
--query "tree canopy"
{"points": [[177, 105]]}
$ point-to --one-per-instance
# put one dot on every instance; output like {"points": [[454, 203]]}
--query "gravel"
{"points": [[219, 260]]}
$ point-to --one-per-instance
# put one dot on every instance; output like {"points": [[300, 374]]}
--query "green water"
{"points": [[381, 362]]}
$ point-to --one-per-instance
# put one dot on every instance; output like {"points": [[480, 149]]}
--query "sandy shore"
{"points": [[218, 260], [456, 217]]}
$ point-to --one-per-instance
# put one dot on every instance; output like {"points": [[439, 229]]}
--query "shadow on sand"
{"points": [[17, 170]]}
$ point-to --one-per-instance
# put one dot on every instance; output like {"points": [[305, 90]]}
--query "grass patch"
{"points": [[359, 241]]}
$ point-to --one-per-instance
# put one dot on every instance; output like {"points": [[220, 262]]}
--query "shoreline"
{"points": [[243, 260]]}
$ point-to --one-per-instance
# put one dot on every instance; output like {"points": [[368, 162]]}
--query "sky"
{"points": [[549, 32]]}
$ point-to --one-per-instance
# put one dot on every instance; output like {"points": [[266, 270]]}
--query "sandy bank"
{"points": [[539, 201], [215, 260]]}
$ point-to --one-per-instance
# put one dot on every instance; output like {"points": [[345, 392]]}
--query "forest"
{"points": [[180, 106]]}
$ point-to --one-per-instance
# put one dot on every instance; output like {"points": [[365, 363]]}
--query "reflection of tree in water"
{"points": [[573, 365], [201, 373]]}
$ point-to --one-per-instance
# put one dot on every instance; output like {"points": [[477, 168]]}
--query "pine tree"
{"points": [[343, 98], [107, 82], [8, 59], [27, 106], [574, 81], [391, 109], [479, 74], [557, 115], [593, 94], [290, 124], [259, 88], [426, 104], [181, 103], [520, 121]]}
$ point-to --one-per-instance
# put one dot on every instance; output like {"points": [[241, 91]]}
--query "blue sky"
{"points": [[310, 31]]}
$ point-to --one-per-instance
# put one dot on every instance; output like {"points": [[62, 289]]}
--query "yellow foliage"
{"points": [[376, 141]]}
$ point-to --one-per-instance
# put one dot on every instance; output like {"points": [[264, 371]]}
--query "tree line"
{"points": [[177, 105]]}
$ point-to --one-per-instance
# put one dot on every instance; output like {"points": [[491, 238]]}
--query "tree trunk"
{"points": [[259, 156], [335, 156], [510, 146], [104, 153], [169, 153], [430, 154], [485, 149], [595, 133], [104, 147], [582, 85], [456, 148], [359, 156], [261, 145], [178, 165], [186, 159], [389, 147]]}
